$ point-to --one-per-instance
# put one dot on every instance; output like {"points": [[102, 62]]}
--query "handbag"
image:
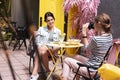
{"points": [[109, 72]]}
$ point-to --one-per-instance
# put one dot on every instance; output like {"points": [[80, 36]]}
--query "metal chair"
{"points": [[110, 57], [31, 50], [21, 36], [94, 76], [14, 24], [18, 34]]}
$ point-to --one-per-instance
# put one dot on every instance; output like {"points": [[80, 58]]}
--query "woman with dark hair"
{"points": [[98, 46], [46, 34]]}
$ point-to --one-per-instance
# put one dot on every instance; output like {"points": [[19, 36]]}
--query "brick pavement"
{"points": [[20, 62]]}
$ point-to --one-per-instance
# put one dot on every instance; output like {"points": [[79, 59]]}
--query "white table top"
{"points": [[65, 44]]}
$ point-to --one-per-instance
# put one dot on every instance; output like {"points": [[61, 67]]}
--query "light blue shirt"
{"points": [[43, 35]]}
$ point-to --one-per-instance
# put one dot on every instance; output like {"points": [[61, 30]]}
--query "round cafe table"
{"points": [[63, 46]]}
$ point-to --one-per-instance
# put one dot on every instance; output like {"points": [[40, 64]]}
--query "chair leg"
{"points": [[11, 39], [10, 43], [17, 42], [25, 43], [31, 60], [89, 73], [62, 62], [30, 66], [20, 45], [76, 73]]}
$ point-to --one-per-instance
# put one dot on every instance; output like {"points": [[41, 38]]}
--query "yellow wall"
{"points": [[54, 6], [70, 31]]}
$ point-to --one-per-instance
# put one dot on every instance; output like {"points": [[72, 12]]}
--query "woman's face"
{"points": [[96, 26], [50, 21]]}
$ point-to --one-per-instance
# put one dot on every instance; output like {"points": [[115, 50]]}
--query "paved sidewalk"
{"points": [[20, 64]]}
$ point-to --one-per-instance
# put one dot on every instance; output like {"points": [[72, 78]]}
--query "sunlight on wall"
{"points": [[54, 6]]}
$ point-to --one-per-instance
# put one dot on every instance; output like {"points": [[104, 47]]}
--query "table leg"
{"points": [[56, 63], [51, 54]]}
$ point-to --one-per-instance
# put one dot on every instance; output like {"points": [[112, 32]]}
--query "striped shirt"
{"points": [[98, 47]]}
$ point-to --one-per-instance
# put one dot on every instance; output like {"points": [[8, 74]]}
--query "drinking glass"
{"points": [[62, 37]]}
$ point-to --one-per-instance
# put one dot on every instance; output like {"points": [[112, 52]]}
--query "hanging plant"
{"points": [[5, 7], [86, 11]]}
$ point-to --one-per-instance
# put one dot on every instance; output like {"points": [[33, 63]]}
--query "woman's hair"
{"points": [[47, 14], [105, 21]]}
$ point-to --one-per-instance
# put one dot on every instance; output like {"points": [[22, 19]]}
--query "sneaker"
{"points": [[34, 77]]}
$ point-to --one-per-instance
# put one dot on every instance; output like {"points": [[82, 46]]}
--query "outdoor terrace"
{"points": [[20, 63]]}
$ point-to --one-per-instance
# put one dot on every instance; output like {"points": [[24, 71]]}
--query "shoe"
{"points": [[34, 77]]}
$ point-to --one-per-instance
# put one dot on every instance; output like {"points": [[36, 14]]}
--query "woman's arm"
{"points": [[84, 32]]}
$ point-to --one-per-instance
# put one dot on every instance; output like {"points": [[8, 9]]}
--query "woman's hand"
{"points": [[85, 29]]}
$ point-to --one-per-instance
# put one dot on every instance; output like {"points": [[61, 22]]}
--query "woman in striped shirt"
{"points": [[98, 46]]}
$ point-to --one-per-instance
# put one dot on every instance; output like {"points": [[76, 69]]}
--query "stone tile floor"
{"points": [[19, 61], [20, 64]]}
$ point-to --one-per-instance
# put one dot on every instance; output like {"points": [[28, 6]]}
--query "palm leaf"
{"points": [[86, 11]]}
